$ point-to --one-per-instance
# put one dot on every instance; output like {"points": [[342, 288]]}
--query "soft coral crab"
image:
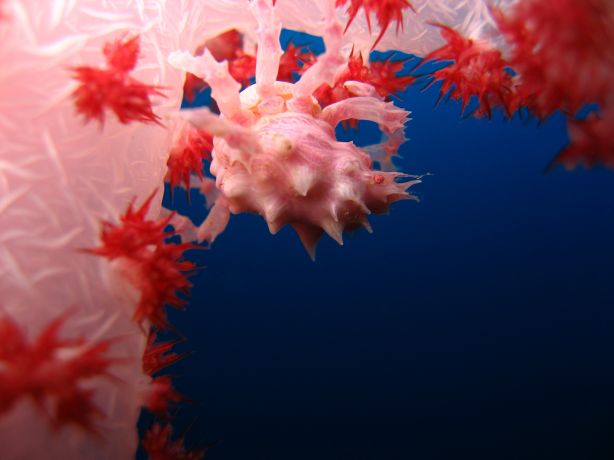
{"points": [[275, 151]]}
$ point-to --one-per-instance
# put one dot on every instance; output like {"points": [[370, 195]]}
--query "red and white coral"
{"points": [[591, 142], [113, 88], [474, 69], [159, 444], [380, 76], [562, 50], [51, 371], [59, 176], [159, 396], [558, 57], [151, 264], [190, 148], [158, 355], [386, 12]]}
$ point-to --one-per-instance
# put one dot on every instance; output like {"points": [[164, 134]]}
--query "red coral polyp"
{"points": [[155, 266], [158, 355], [294, 62], [475, 70], [562, 50], [112, 88], [386, 12], [42, 371], [591, 142], [160, 276], [122, 55], [159, 444], [161, 396], [102, 89], [134, 234], [243, 68], [191, 148], [385, 78], [382, 75]]}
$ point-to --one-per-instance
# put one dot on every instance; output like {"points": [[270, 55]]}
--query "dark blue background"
{"points": [[474, 324]]}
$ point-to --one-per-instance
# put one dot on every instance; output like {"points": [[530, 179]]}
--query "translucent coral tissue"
{"points": [[91, 126]]}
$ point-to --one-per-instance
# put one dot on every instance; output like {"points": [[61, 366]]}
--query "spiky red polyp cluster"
{"points": [[382, 75], [243, 68], [476, 70], [159, 445], [591, 142], [155, 267], [158, 355], [122, 55], [111, 87], [386, 12], [190, 148], [161, 396], [161, 277], [50, 371], [134, 235], [562, 50]]}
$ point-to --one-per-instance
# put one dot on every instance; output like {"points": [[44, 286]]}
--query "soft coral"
{"points": [[474, 69], [381, 75], [386, 12], [43, 371], [155, 266], [113, 88], [562, 51]]}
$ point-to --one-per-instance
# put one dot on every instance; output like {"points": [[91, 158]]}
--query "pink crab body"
{"points": [[302, 175]]}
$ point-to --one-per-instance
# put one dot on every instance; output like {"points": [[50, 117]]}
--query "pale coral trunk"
{"points": [[59, 177]]}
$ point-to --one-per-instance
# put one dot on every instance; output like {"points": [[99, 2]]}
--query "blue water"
{"points": [[474, 324]]}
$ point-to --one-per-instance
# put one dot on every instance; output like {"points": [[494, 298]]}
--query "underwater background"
{"points": [[476, 323]]}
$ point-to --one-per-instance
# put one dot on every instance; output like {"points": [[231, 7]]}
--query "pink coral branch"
{"points": [[224, 88]]}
